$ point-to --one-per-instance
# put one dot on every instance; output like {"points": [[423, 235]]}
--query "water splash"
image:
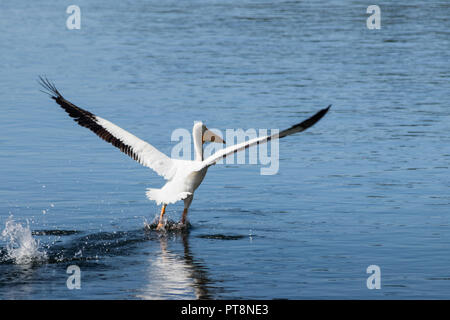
{"points": [[168, 225], [21, 247]]}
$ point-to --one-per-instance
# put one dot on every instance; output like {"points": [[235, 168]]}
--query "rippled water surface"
{"points": [[368, 185]]}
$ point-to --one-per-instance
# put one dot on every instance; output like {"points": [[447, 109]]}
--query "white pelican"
{"points": [[183, 176]]}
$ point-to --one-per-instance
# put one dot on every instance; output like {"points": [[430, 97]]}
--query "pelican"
{"points": [[183, 176]]}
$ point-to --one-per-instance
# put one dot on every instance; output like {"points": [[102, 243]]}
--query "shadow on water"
{"points": [[168, 272]]}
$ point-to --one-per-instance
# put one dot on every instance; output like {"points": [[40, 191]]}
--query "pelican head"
{"points": [[202, 134], [200, 130]]}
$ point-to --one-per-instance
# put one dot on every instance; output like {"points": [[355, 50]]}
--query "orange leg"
{"points": [[184, 216], [160, 222]]}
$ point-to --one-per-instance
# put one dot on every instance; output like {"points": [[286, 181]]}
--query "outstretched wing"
{"points": [[299, 127], [138, 149]]}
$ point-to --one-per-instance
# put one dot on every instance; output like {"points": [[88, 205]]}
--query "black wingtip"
{"points": [[299, 127], [49, 87], [315, 118], [324, 110]]}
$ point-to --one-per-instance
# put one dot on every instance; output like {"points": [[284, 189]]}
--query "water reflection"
{"points": [[18, 276], [173, 274]]}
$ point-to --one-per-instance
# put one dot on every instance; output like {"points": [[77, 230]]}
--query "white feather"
{"points": [[148, 155]]}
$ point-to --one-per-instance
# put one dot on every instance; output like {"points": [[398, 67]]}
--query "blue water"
{"points": [[368, 185]]}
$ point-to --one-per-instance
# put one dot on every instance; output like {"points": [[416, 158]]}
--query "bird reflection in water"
{"points": [[174, 274]]}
